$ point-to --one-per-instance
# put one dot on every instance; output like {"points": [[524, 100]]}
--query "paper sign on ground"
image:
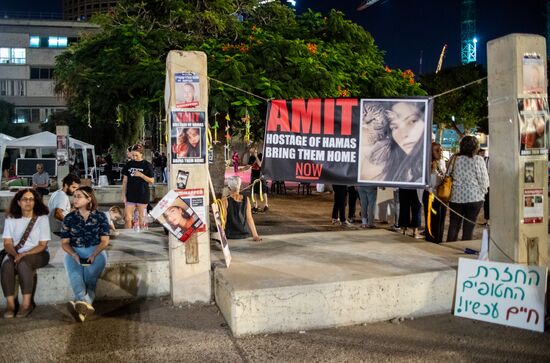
{"points": [[501, 293]]}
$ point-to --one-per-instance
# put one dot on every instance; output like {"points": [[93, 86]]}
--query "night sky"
{"points": [[404, 28]]}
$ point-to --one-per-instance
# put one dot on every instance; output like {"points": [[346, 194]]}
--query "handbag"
{"points": [[444, 189], [22, 241]]}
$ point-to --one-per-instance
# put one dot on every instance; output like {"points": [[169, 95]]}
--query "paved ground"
{"points": [[154, 331]]}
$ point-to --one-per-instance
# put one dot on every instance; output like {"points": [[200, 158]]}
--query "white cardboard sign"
{"points": [[501, 293]]}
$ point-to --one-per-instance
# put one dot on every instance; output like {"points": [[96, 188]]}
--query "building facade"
{"points": [[84, 9], [27, 57]]}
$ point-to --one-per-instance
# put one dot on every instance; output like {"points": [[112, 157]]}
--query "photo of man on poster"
{"points": [[187, 90], [392, 145]]}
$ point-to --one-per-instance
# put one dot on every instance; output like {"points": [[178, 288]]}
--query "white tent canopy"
{"points": [[47, 140], [4, 139]]}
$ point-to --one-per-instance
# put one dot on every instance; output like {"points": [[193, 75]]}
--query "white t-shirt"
{"points": [[59, 199], [15, 227]]}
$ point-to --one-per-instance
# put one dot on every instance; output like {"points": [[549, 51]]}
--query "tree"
{"points": [[117, 75], [465, 108], [115, 78]]}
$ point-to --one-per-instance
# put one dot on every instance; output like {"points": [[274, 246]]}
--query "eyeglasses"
{"points": [[27, 199]]}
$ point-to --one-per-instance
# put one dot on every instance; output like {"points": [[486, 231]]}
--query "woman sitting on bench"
{"points": [[26, 236]]}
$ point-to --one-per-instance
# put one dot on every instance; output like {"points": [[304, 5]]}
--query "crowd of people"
{"points": [[71, 213], [469, 195], [85, 232]]}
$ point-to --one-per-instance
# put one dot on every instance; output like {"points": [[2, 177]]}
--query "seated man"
{"points": [[41, 180], [59, 203]]}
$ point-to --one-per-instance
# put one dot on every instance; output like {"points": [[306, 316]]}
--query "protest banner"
{"points": [[501, 293], [181, 212], [349, 141]]}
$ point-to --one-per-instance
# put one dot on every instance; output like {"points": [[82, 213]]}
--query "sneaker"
{"points": [[336, 221], [9, 314], [395, 228], [348, 224], [417, 236], [84, 308], [71, 306], [351, 220]]}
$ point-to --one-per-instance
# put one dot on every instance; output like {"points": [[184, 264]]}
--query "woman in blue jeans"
{"points": [[84, 237], [368, 195]]}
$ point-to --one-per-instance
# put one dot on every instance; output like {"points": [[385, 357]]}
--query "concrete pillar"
{"points": [[190, 270], [62, 170], [518, 167]]}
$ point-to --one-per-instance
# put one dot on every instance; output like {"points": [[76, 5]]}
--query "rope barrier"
{"points": [[239, 89], [473, 222], [459, 87]]}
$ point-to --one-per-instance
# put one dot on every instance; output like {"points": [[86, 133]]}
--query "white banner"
{"points": [[501, 293]]}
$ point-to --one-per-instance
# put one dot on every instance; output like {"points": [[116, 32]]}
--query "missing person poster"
{"points": [[181, 213], [62, 149], [349, 141], [533, 207], [533, 118], [533, 74], [187, 90], [187, 137]]}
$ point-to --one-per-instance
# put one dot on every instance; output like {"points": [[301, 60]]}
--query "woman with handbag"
{"points": [[84, 237], [435, 215], [26, 236], [470, 183]]}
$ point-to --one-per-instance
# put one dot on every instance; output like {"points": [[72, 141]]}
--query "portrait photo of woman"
{"points": [[393, 141], [181, 220]]}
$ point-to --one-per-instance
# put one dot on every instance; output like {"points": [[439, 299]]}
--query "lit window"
{"points": [[34, 41], [57, 42], [12, 55], [18, 55], [4, 55]]}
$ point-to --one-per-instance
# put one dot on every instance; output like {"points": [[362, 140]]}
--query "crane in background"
{"points": [[441, 56]]}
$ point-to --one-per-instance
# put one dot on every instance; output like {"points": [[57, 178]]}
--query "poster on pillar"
{"points": [[349, 141], [188, 137], [533, 206], [533, 74], [187, 90], [62, 150], [533, 120], [181, 212]]}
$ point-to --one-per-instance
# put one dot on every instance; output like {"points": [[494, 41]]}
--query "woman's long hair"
{"points": [[401, 167], [39, 208]]}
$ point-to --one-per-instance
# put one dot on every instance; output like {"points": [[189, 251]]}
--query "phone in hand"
{"points": [[84, 261]]}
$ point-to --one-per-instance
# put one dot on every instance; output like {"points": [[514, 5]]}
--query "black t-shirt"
{"points": [[137, 189]]}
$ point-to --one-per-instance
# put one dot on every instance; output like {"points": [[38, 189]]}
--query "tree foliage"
{"points": [[468, 105], [117, 75]]}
